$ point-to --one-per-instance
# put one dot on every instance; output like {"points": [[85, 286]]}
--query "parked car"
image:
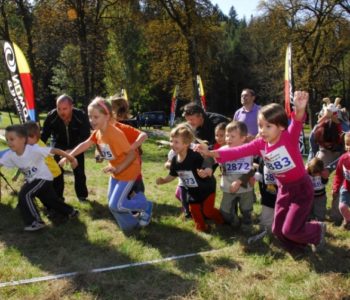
{"points": [[155, 119]]}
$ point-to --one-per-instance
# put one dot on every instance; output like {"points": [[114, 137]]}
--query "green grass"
{"points": [[236, 271], [7, 118]]}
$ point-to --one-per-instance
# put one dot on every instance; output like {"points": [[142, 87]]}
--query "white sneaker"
{"points": [[36, 225], [145, 216], [322, 243]]}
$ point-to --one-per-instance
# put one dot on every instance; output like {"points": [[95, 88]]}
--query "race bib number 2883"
{"points": [[279, 161]]}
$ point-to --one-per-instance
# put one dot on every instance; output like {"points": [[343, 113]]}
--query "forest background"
{"points": [[98, 47]]}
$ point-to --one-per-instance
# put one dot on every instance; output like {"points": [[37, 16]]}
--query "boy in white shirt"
{"points": [[30, 159]]}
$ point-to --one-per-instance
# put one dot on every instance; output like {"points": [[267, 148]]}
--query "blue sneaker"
{"points": [[145, 216]]}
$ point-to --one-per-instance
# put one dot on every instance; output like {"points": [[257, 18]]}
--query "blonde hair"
{"points": [[184, 132], [100, 104], [237, 126], [314, 166]]}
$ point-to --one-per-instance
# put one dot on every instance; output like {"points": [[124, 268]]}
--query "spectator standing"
{"points": [[248, 113], [68, 127]]}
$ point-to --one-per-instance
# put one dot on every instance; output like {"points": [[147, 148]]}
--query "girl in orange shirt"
{"points": [[123, 165]]}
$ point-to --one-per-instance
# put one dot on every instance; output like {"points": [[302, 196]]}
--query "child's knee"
{"points": [[114, 208]]}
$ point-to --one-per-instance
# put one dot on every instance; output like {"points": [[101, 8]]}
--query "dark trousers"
{"points": [[43, 190], [79, 179]]}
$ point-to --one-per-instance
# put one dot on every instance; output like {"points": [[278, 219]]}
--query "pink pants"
{"points": [[293, 206]]}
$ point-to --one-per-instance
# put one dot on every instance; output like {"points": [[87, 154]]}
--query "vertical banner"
{"points": [[173, 106], [289, 93], [20, 83], [201, 93], [124, 94], [288, 82]]}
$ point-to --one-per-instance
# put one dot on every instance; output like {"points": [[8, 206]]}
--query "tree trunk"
{"points": [[193, 62]]}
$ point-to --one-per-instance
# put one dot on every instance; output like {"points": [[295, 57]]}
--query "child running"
{"points": [[278, 145], [33, 137], [123, 165], [341, 183], [196, 175], [30, 159], [135, 137], [268, 191], [319, 177], [234, 194]]}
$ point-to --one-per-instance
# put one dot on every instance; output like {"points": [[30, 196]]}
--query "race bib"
{"points": [[279, 161], [346, 173], [188, 178], [268, 177], [239, 166], [106, 152], [317, 183], [30, 172]]}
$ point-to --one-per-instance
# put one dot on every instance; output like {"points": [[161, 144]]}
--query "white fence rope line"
{"points": [[107, 269]]}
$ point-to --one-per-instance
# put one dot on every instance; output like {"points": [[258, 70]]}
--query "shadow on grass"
{"points": [[68, 248], [331, 259]]}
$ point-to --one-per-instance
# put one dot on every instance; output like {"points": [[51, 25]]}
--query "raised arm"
{"points": [[301, 98]]}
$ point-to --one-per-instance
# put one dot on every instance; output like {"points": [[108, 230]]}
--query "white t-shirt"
{"points": [[31, 163]]}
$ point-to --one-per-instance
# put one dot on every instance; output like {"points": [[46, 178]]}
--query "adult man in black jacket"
{"points": [[203, 123], [68, 127]]}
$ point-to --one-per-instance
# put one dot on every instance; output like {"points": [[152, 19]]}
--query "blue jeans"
{"points": [[121, 206], [344, 196]]}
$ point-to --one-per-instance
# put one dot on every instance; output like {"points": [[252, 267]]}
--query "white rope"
{"points": [[100, 270]]}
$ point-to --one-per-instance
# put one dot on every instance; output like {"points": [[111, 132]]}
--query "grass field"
{"points": [[235, 271]]}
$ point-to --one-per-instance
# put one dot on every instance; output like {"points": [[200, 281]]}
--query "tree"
{"points": [[190, 16], [319, 33], [68, 80]]}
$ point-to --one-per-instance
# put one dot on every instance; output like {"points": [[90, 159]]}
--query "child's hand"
{"points": [[301, 99], [203, 173], [99, 158], [110, 169], [251, 181], [62, 162], [202, 149], [235, 186], [160, 180], [74, 163], [167, 164]]}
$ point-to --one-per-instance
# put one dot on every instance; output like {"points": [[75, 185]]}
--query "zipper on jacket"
{"points": [[67, 135]]}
